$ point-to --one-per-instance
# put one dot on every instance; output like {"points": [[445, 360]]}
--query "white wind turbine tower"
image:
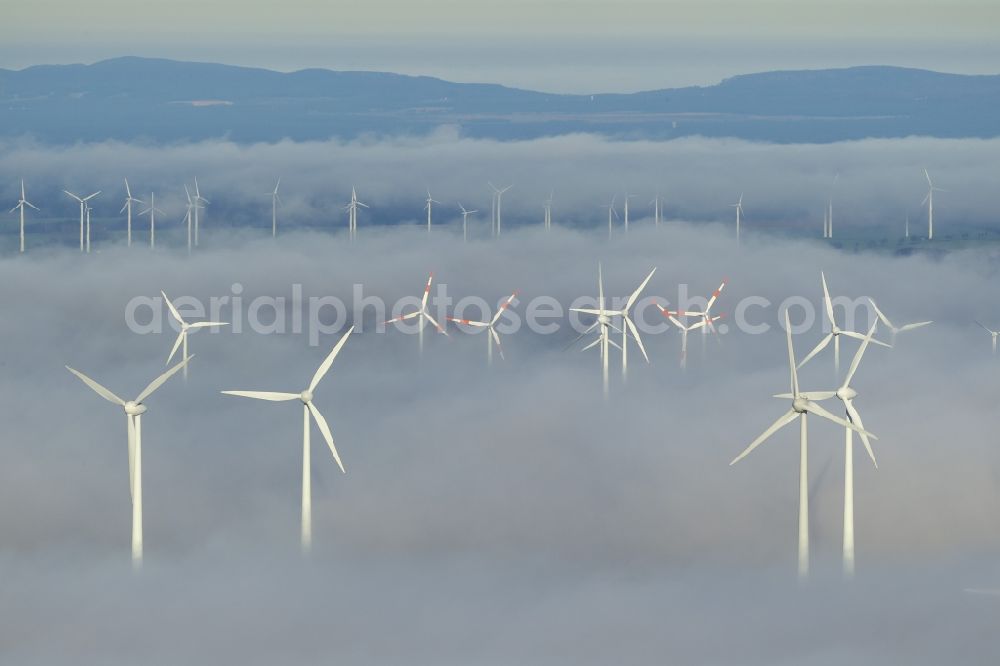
{"points": [[152, 210], [275, 200], [499, 192], [182, 336], [835, 332], [88, 225], [906, 228], [896, 329], [352, 210], [846, 394], [423, 313], [21, 203], [800, 409], [603, 341], [685, 329], [612, 216], [828, 228], [657, 210], [627, 197], [548, 212], [428, 206], [929, 200], [308, 409], [198, 201], [134, 409], [127, 207], [187, 217], [739, 212], [992, 333], [83, 212], [465, 221], [490, 326]]}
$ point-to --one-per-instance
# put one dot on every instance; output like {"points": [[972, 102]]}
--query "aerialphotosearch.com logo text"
{"points": [[319, 316]]}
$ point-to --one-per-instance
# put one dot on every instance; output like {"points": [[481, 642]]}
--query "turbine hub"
{"points": [[799, 405], [835, 330], [133, 408], [604, 319], [847, 393], [306, 397]]}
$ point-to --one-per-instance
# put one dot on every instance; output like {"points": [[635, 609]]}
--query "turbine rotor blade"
{"points": [[328, 361], [635, 334], [325, 429], [158, 382], [173, 311], [635, 294], [177, 345], [100, 390], [817, 349], [782, 421], [856, 420], [264, 395]]}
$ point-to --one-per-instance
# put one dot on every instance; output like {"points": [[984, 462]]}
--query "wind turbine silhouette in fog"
{"points": [[152, 210], [127, 207], [835, 332], [182, 336], [800, 409], [929, 200], [498, 193], [21, 203], [198, 201], [548, 212], [739, 212], [895, 330], [423, 314], [603, 323], [428, 206], [846, 394], [83, 213], [275, 200], [308, 410], [352, 214], [134, 409], [992, 333], [465, 221], [491, 333], [686, 328], [612, 216]]}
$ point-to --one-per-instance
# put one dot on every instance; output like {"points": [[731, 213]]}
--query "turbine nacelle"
{"points": [[133, 408], [800, 405], [846, 393], [306, 397]]}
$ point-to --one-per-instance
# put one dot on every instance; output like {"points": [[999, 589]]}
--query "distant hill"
{"points": [[165, 101]]}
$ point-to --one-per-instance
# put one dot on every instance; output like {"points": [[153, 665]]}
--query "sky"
{"points": [[492, 515], [552, 45]]}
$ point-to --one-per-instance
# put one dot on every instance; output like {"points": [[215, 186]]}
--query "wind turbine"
{"points": [[835, 332], [685, 329], [83, 211], [182, 337], [656, 210], [129, 200], [152, 210], [428, 206], [499, 194], [134, 409], [627, 197], [800, 409], [826, 228], [548, 212], [829, 210], [612, 216], [708, 321], [906, 228], [187, 217], [603, 341], [352, 210], [308, 408], [198, 201], [846, 394], [465, 221], [21, 203], [739, 212], [929, 200], [628, 324], [992, 333], [423, 313], [490, 325], [275, 200], [896, 329]]}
